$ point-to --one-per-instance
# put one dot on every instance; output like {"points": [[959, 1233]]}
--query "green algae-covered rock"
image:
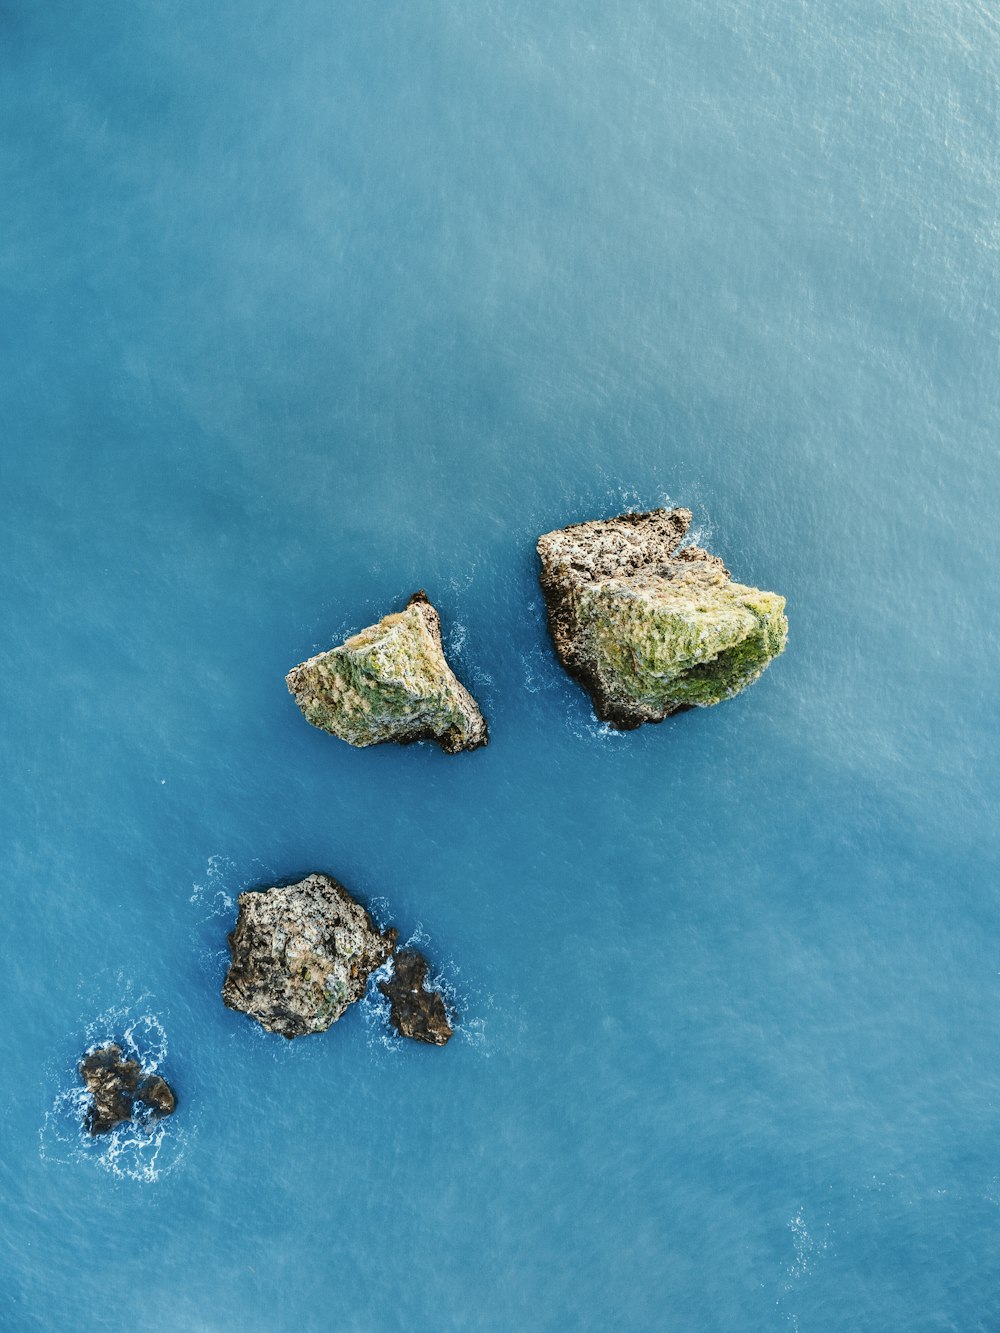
{"points": [[390, 682], [650, 628]]}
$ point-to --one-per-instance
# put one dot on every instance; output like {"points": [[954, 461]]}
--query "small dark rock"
{"points": [[116, 1084], [157, 1093], [416, 1012]]}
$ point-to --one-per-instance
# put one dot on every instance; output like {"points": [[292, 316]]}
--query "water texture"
{"points": [[306, 306]]}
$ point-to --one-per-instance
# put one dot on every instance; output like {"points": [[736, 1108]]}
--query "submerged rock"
{"points": [[415, 1011], [649, 628], [116, 1085], [390, 682], [301, 955]]}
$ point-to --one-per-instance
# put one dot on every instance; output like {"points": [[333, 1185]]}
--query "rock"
{"points": [[649, 629], [116, 1085], [301, 955], [157, 1093], [415, 1011], [390, 682], [111, 1082]]}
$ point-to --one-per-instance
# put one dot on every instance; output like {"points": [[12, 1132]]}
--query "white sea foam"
{"points": [[470, 671], [462, 582], [540, 670], [215, 895], [380, 912], [628, 501], [214, 891], [807, 1249], [223, 881], [455, 639], [699, 534], [586, 726], [804, 1246], [374, 1010]]}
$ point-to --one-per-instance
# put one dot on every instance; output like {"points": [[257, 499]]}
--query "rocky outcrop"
{"points": [[648, 627], [414, 1010], [119, 1090], [390, 682], [301, 955]]}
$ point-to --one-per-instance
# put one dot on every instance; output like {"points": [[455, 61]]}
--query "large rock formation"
{"points": [[648, 627], [116, 1085], [390, 682], [414, 1010], [301, 955]]}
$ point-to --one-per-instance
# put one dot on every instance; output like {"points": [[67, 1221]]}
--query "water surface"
{"points": [[305, 307]]}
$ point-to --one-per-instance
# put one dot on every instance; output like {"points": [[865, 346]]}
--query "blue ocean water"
{"points": [[306, 306]]}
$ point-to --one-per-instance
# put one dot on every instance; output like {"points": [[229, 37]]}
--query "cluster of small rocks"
{"points": [[121, 1091]]}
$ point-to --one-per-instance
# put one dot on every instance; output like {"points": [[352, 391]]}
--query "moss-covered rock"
{"points": [[648, 627], [390, 682]]}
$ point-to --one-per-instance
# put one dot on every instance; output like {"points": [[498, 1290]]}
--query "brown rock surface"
{"points": [[415, 1011], [301, 955], [116, 1084]]}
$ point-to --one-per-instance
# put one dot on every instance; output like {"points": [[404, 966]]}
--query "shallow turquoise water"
{"points": [[305, 307]]}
